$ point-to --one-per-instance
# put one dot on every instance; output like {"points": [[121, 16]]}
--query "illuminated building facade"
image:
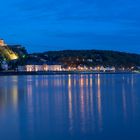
{"points": [[35, 68], [2, 42], [6, 52]]}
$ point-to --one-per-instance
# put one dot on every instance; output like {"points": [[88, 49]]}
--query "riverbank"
{"points": [[11, 73]]}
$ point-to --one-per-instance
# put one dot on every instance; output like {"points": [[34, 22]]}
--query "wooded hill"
{"points": [[91, 58]]}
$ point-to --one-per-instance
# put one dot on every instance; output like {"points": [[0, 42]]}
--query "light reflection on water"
{"points": [[91, 106]]}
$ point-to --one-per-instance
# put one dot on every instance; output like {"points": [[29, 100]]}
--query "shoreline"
{"points": [[13, 73]]}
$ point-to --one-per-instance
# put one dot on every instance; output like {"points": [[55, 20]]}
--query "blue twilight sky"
{"points": [[42, 25]]}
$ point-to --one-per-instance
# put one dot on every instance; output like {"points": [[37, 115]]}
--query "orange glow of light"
{"points": [[98, 68]]}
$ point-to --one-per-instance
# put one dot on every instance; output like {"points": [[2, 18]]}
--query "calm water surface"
{"points": [[70, 107]]}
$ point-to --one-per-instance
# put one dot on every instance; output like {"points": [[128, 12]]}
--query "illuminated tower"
{"points": [[2, 42]]}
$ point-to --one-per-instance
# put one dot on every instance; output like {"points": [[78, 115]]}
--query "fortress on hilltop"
{"points": [[6, 52]]}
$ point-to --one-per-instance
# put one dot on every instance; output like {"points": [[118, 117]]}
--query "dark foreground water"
{"points": [[70, 107]]}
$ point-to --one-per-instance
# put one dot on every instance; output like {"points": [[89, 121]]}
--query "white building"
{"points": [[4, 65], [30, 68], [110, 69], [45, 67], [104, 69], [52, 67]]}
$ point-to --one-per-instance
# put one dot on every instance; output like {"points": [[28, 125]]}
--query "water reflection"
{"points": [[124, 102], [99, 101], [69, 104]]}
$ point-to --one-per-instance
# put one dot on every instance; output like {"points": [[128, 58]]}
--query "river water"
{"points": [[70, 107]]}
